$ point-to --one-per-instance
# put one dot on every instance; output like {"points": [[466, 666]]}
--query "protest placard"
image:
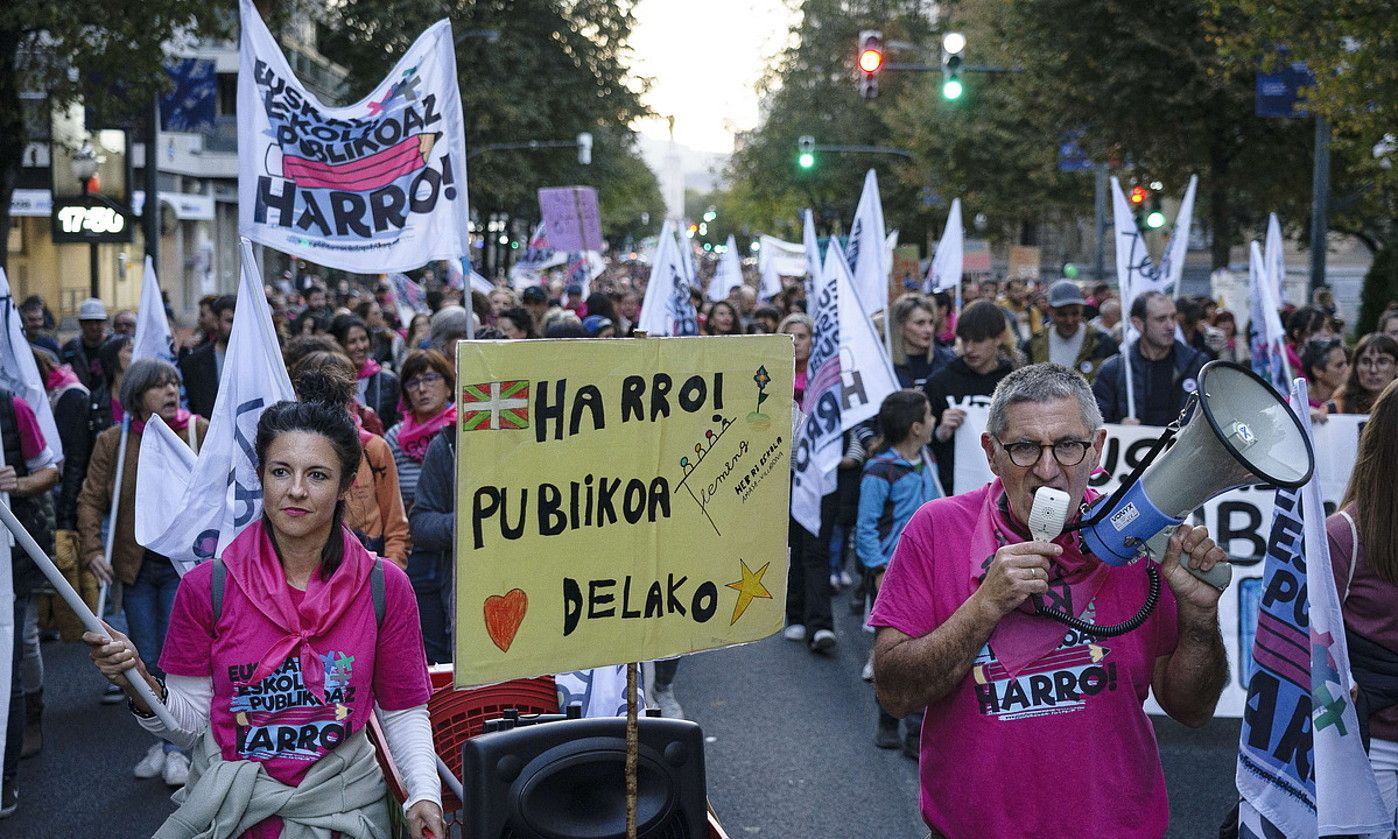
{"points": [[618, 500], [572, 218]]}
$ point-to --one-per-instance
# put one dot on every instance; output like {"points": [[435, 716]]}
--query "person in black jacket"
{"points": [[377, 386], [969, 379], [202, 368], [1164, 370], [81, 352]]}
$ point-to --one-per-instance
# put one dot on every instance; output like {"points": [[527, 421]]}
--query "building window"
{"points": [[227, 94]]}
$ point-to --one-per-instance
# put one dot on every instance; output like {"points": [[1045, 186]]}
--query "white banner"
{"points": [[666, 309], [816, 454], [152, 327], [729, 274], [945, 272], [1239, 521], [218, 494], [864, 366], [810, 243], [785, 259], [1275, 260], [868, 249], [377, 186]]}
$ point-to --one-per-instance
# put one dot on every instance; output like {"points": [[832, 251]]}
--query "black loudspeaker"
{"points": [[567, 780]]}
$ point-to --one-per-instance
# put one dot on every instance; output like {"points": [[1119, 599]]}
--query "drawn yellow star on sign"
{"points": [[748, 587]]}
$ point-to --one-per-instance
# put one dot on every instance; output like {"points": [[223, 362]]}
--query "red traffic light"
{"points": [[1138, 196], [870, 60]]}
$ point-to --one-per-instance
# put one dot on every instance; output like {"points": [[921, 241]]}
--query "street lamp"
{"points": [[84, 166]]}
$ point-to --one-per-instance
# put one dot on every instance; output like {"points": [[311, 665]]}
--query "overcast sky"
{"points": [[705, 59]]}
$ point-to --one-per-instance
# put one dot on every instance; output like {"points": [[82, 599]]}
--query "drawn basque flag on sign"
{"points": [[494, 405]]}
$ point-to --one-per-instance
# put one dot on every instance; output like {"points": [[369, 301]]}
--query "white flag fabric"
{"points": [[868, 249], [19, 373], [864, 366], [771, 284], [667, 309], [409, 298], [685, 248], [1275, 260], [377, 186], [1136, 273], [1172, 266], [729, 274], [1302, 771], [945, 272], [220, 495], [810, 243], [539, 256], [481, 284], [789, 257], [152, 328], [1266, 338], [817, 452]]}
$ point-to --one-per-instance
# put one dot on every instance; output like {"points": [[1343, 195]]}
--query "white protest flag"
{"points": [[666, 309], [771, 284], [481, 284], [789, 257], [1172, 264], [152, 328], [1275, 260], [816, 456], [944, 274], [810, 243], [1266, 338], [685, 249], [19, 373], [9, 635], [868, 249], [729, 274], [220, 494], [1302, 771], [864, 366], [377, 186]]}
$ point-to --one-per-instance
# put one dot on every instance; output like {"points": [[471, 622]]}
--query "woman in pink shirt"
{"points": [[279, 650]]}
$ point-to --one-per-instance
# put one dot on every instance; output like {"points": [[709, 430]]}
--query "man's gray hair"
{"points": [[448, 326], [1040, 383], [141, 377]]}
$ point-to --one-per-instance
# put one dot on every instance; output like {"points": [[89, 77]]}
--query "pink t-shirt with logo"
{"points": [[1063, 748], [277, 722]]}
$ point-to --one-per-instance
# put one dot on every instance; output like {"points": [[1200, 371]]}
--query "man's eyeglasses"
{"points": [[425, 380], [1026, 453]]}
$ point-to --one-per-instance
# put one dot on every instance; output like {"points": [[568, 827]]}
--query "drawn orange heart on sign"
{"points": [[503, 615]]}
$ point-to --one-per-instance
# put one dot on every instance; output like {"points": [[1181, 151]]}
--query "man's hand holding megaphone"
{"points": [[1201, 553]]}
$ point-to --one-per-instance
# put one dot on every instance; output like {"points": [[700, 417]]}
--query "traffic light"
{"points": [[953, 45], [1155, 219], [1138, 196], [869, 62], [805, 145]]}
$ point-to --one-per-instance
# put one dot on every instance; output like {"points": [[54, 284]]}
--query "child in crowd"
{"points": [[898, 479]]}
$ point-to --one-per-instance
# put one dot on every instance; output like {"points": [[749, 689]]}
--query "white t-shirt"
{"points": [[1065, 350]]}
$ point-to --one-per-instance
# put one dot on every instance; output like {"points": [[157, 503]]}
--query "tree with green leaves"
{"points": [[59, 50], [542, 70]]}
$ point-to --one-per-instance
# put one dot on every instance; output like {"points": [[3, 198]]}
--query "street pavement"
{"points": [[789, 752]]}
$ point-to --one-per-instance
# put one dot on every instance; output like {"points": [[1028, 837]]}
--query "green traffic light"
{"points": [[806, 160], [951, 89], [1155, 220]]}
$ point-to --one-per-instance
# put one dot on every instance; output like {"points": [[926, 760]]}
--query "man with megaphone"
{"points": [[1031, 731]]}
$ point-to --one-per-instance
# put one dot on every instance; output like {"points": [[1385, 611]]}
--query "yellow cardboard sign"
{"points": [[618, 500]]}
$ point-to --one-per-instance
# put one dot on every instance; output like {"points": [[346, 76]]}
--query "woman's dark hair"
{"points": [[342, 324], [144, 375], [303, 345], [565, 328], [602, 304], [332, 423], [981, 321], [1372, 488], [736, 329], [900, 409], [327, 377], [1303, 322], [1351, 395], [1317, 352], [361, 309], [109, 355], [424, 361], [522, 320]]}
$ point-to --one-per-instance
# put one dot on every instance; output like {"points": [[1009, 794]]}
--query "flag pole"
{"points": [[112, 513], [89, 620]]}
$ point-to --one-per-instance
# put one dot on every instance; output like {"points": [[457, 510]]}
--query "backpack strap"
{"points": [[220, 579], [377, 591], [1353, 554]]}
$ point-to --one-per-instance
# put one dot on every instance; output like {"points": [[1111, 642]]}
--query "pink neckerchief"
{"points": [[254, 566], [1022, 637], [179, 423], [369, 368], [61, 377], [414, 436]]}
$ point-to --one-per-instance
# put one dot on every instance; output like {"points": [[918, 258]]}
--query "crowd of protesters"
{"points": [[392, 374]]}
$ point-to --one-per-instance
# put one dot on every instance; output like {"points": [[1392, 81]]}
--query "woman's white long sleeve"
{"points": [[409, 734], [189, 700]]}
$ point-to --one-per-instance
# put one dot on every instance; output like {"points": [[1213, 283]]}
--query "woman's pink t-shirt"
{"points": [[278, 722]]}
